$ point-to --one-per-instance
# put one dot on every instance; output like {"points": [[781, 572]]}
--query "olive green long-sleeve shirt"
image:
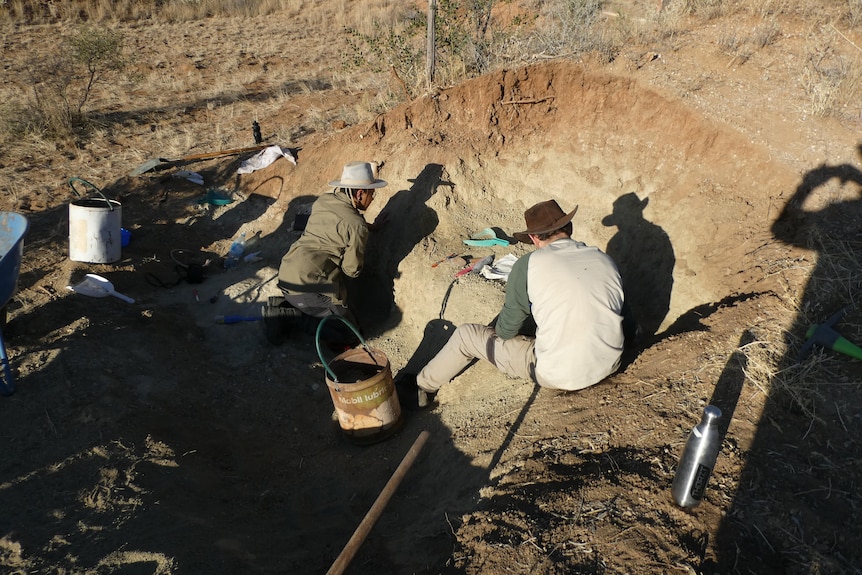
{"points": [[331, 247]]}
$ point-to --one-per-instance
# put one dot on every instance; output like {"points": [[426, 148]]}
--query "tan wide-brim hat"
{"points": [[543, 218], [358, 176]]}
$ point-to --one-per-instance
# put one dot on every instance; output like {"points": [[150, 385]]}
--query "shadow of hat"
{"points": [[626, 208]]}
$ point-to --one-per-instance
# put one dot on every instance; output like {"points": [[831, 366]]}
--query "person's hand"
{"points": [[379, 222]]}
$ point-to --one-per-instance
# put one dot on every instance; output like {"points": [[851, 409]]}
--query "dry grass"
{"points": [[560, 28], [366, 14], [741, 43], [853, 17], [766, 34], [831, 75], [838, 277], [834, 282]]}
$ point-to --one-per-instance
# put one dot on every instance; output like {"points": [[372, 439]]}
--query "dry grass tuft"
{"points": [[832, 77], [834, 282], [766, 34], [390, 44]]}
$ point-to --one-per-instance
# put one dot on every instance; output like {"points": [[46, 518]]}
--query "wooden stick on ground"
{"points": [[532, 101], [346, 555]]}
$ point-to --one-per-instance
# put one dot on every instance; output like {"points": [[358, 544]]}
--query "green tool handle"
{"points": [[831, 340], [842, 345]]}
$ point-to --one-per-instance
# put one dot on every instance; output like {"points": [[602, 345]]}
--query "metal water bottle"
{"points": [[697, 460]]}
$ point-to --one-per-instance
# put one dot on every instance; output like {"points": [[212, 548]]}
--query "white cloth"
{"points": [[500, 269], [264, 158], [576, 298]]}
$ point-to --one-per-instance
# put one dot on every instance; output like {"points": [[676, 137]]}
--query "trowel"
{"points": [[97, 286]]}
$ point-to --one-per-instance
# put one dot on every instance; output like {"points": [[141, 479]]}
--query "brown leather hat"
{"points": [[543, 218]]}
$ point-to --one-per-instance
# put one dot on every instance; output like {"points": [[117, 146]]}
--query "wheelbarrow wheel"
{"points": [[3, 316]]}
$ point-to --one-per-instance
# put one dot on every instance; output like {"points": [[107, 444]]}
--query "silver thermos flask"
{"points": [[697, 460]]}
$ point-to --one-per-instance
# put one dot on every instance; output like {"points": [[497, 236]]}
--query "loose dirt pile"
{"points": [[147, 438]]}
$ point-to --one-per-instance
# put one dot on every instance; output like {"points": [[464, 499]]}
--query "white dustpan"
{"points": [[97, 286]]}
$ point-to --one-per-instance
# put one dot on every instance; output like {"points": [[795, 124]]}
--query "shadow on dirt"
{"points": [[182, 455], [644, 255], [729, 385], [372, 295], [437, 333], [524, 503], [692, 320], [800, 476]]}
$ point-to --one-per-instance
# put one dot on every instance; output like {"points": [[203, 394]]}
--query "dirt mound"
{"points": [[477, 155], [147, 436]]}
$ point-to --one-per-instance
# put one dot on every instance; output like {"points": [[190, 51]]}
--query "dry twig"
{"points": [[532, 101]]}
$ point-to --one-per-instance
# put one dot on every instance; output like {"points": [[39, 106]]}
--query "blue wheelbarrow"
{"points": [[13, 228]]}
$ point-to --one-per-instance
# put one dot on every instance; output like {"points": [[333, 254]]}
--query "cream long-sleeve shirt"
{"points": [[575, 295]]}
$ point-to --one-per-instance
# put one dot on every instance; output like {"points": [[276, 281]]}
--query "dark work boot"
{"points": [[277, 322], [277, 301]]}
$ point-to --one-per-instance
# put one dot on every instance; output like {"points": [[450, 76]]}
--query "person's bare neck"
{"points": [[542, 243]]}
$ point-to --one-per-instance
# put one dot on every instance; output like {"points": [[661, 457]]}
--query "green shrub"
{"points": [[470, 43], [64, 82]]}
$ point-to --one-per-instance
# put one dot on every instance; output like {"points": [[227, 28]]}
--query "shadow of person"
{"points": [[277, 242], [798, 488], [644, 255], [437, 333], [372, 295]]}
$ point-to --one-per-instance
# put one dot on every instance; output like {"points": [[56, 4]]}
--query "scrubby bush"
{"points": [[63, 83], [470, 42]]}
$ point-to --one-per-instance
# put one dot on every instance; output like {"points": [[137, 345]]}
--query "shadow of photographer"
{"points": [[800, 473]]}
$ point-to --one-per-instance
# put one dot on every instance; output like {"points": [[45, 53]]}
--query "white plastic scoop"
{"points": [[97, 286]]}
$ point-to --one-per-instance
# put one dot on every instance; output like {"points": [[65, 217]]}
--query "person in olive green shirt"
{"points": [[312, 275]]}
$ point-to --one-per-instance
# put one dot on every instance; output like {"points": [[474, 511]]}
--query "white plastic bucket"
{"points": [[94, 229]]}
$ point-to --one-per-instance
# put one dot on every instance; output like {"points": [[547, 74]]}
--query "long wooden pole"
{"points": [[346, 555], [431, 42]]}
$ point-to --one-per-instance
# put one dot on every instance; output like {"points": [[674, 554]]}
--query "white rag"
{"points": [[264, 158], [193, 177], [501, 268]]}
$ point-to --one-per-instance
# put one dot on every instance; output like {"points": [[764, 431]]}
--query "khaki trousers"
{"points": [[515, 357], [318, 305]]}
